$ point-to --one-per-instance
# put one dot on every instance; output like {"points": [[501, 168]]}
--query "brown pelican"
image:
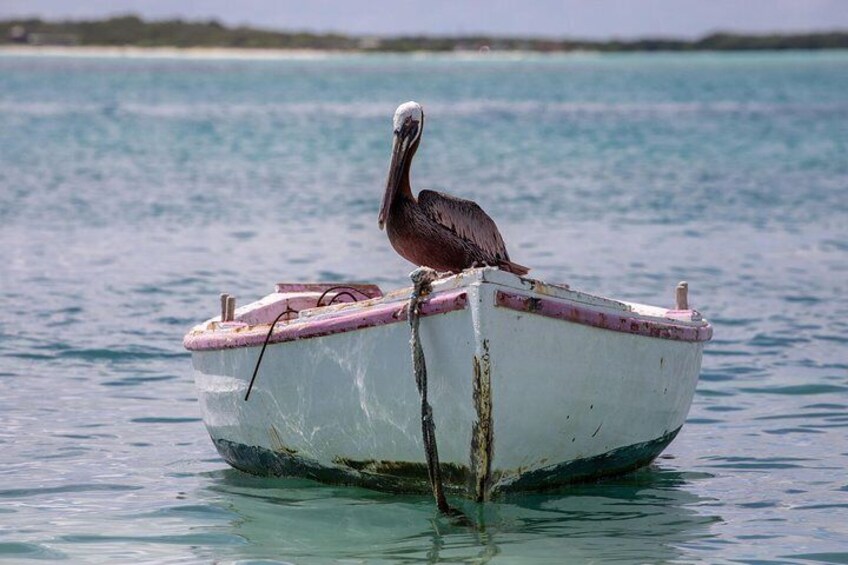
{"points": [[436, 230]]}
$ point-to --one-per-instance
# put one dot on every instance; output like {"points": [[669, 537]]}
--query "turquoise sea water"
{"points": [[133, 191]]}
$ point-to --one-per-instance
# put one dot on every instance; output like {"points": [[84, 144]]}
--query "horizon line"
{"points": [[428, 35]]}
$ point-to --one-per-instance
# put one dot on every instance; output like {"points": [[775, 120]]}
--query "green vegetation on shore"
{"points": [[133, 31]]}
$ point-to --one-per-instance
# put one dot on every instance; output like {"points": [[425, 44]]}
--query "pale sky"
{"points": [[596, 19]]}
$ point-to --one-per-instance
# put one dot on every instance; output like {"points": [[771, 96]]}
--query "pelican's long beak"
{"points": [[403, 140], [393, 182]]}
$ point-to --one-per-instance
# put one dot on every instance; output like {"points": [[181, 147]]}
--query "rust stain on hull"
{"points": [[277, 441], [452, 473], [409, 476], [483, 431]]}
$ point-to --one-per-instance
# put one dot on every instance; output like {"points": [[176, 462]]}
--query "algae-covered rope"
{"points": [[421, 280]]}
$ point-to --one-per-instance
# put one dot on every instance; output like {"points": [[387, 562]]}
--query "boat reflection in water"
{"points": [[649, 516]]}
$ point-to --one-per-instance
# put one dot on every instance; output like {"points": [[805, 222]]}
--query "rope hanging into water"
{"points": [[421, 280]]}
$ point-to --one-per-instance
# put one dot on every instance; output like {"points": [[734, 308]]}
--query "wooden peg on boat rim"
{"points": [[231, 308], [224, 297], [682, 296]]}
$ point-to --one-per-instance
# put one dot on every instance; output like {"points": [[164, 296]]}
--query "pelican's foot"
{"points": [[423, 275]]}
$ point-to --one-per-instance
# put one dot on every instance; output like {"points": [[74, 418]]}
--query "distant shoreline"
{"points": [[120, 34]]}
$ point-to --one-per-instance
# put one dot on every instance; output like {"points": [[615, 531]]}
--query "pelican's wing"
{"points": [[466, 219]]}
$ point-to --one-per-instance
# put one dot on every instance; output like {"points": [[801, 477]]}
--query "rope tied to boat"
{"points": [[340, 290], [422, 279]]}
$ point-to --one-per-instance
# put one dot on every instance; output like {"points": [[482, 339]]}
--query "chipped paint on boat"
{"points": [[532, 386]]}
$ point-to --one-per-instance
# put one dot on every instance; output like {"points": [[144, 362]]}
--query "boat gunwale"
{"points": [[391, 308], [374, 315], [606, 320]]}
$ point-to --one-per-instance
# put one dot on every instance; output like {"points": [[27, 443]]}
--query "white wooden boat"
{"points": [[532, 385]]}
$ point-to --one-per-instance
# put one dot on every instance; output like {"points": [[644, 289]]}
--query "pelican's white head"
{"points": [[408, 111]]}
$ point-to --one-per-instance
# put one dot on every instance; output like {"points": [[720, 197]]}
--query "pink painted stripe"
{"points": [[604, 320], [368, 317]]}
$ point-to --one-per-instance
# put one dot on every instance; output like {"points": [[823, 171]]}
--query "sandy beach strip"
{"points": [[236, 53], [167, 52]]}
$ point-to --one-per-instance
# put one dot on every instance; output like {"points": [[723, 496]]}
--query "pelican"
{"points": [[435, 230]]}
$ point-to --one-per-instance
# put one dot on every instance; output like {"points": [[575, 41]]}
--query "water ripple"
{"points": [[135, 191], [75, 488]]}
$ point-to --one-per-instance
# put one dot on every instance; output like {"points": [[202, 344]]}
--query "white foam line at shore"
{"points": [[167, 52], [228, 53]]}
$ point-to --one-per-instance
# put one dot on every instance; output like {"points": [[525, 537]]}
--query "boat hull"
{"points": [[531, 388]]}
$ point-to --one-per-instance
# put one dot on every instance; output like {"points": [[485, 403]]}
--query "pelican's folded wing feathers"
{"points": [[466, 219]]}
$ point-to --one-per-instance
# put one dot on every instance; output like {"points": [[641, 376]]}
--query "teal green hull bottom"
{"points": [[411, 477]]}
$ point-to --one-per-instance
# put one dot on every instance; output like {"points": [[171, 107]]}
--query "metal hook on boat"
{"points": [[230, 302], [346, 291], [288, 310]]}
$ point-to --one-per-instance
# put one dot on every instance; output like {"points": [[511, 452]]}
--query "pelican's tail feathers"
{"points": [[513, 268]]}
